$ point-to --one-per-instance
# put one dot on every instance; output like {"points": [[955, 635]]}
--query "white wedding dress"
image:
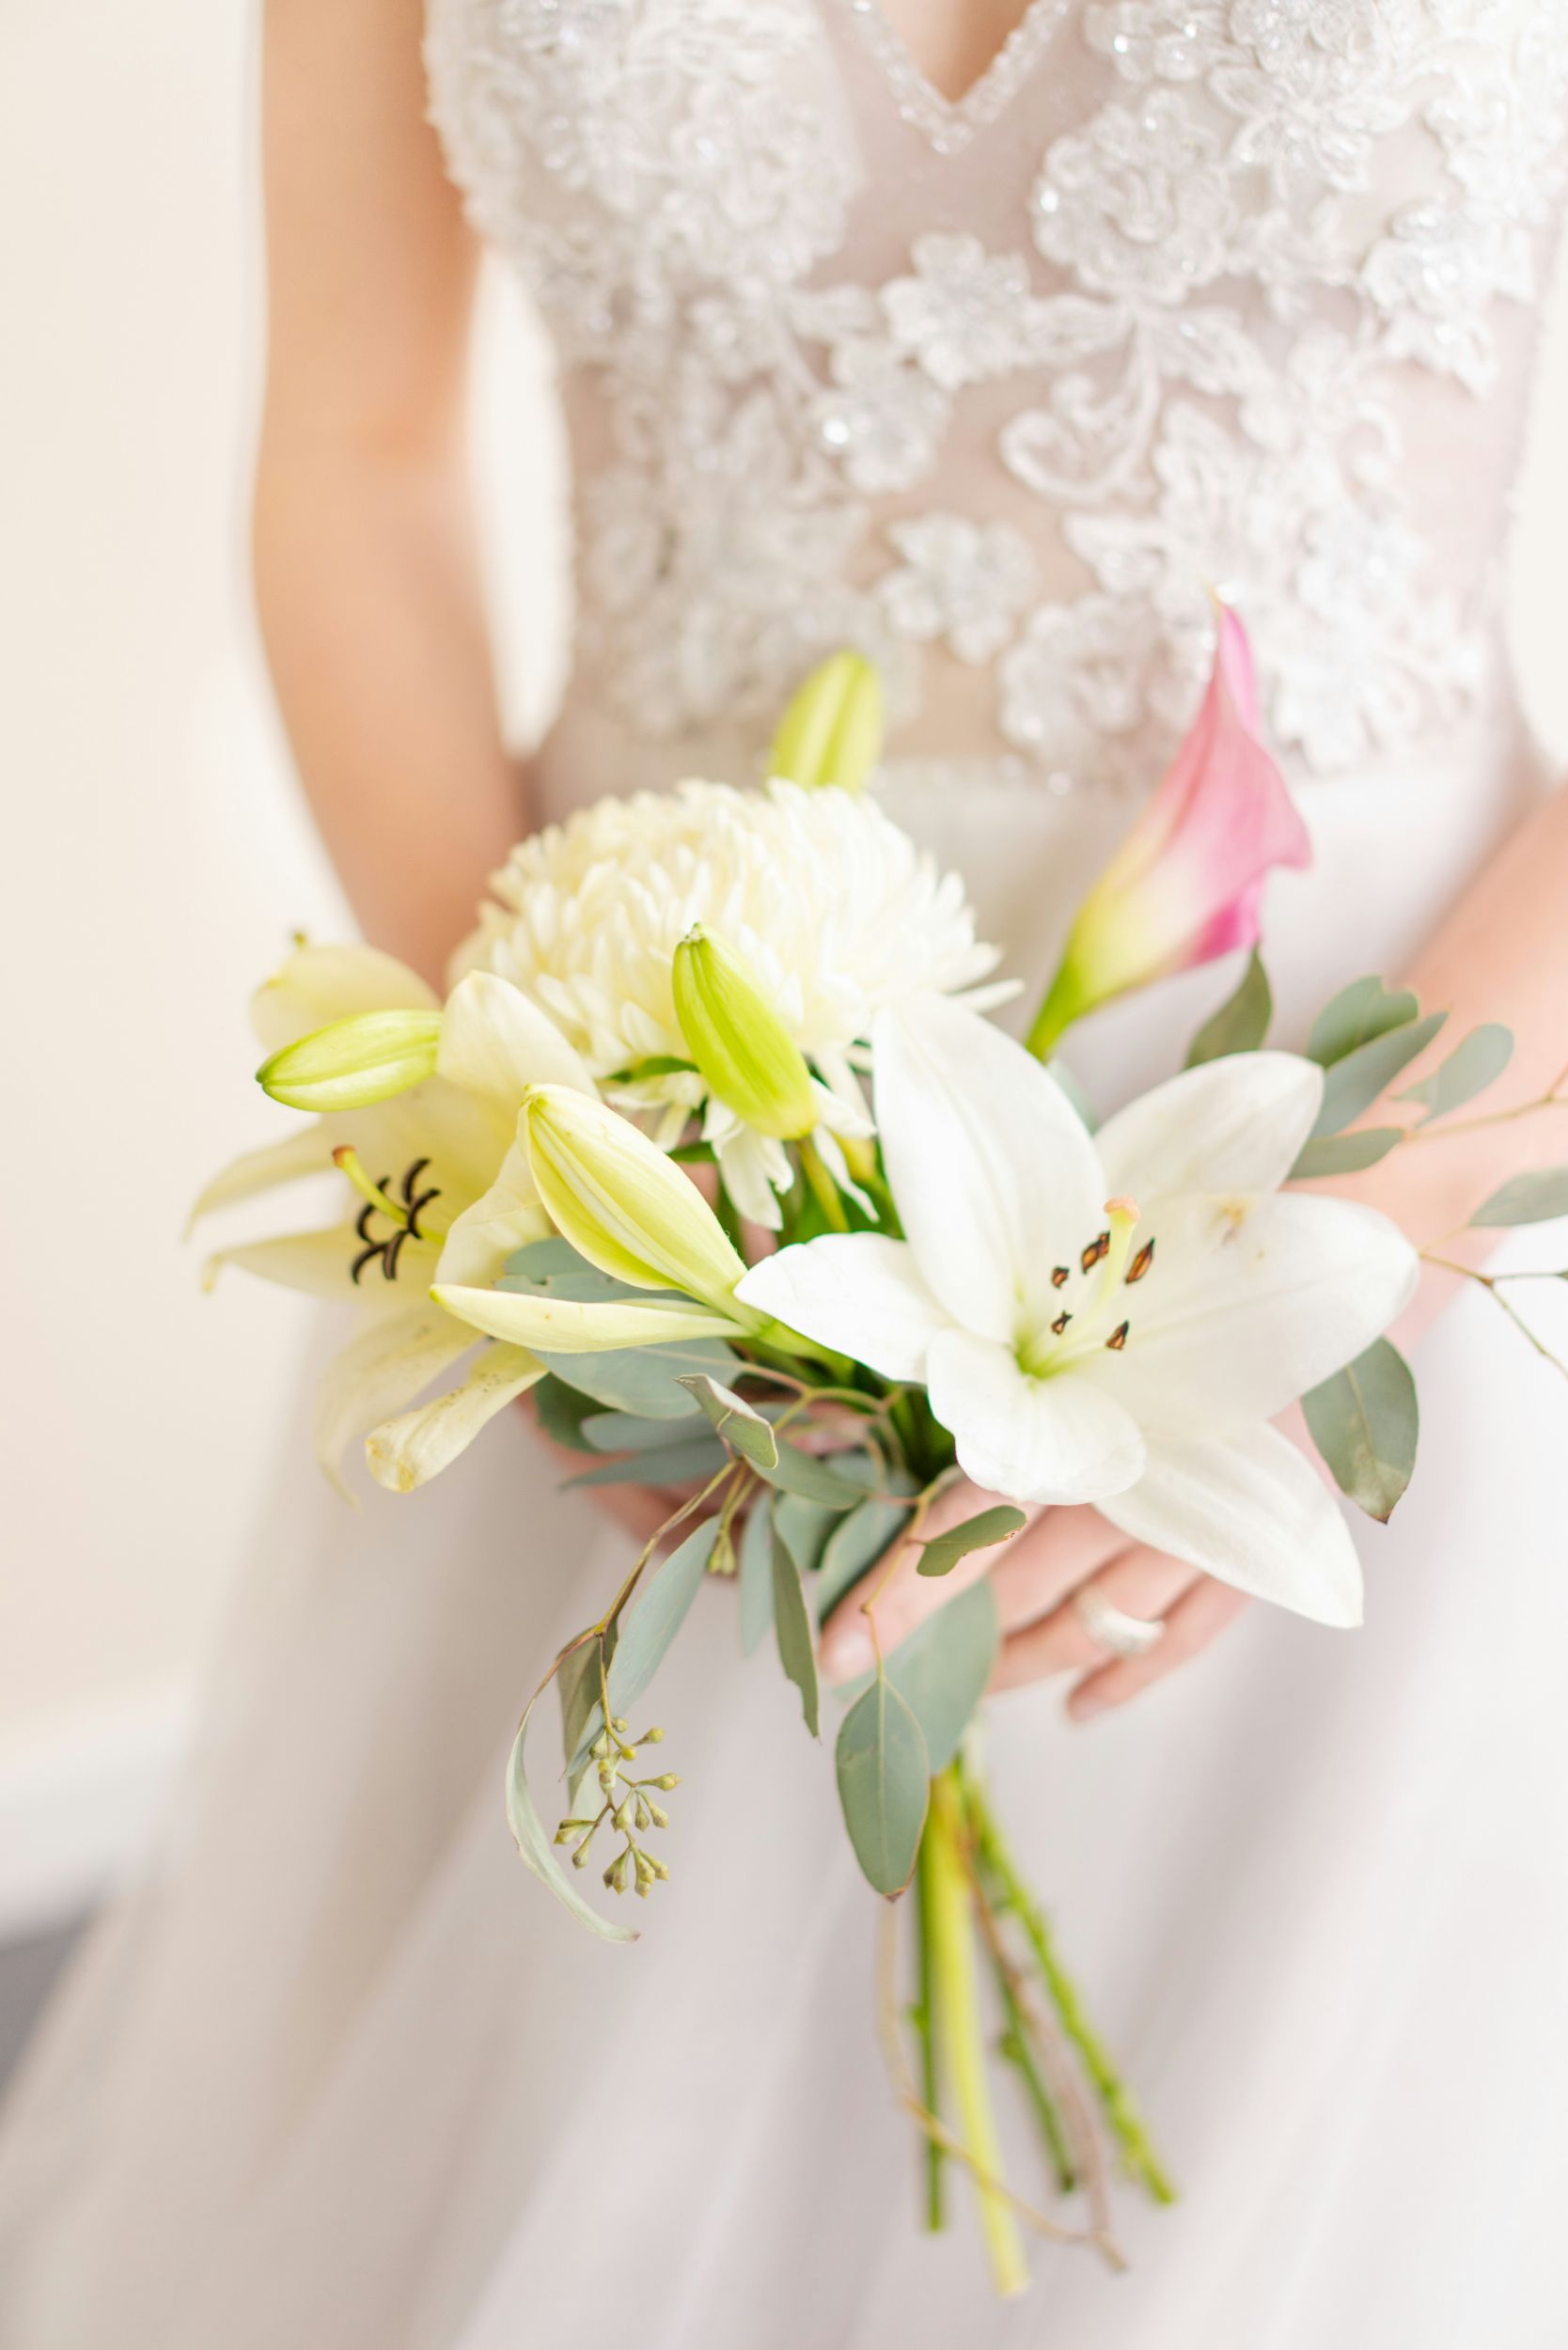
{"points": [[1241, 291]]}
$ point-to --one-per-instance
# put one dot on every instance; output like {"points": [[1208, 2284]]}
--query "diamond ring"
{"points": [[1111, 1628]]}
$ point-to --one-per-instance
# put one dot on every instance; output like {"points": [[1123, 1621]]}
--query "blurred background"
{"points": [[157, 857]]}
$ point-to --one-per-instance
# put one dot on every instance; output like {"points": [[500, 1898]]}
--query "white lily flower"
{"points": [[443, 1193], [1113, 1320]]}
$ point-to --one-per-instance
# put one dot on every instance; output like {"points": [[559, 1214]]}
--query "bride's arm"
{"points": [[1502, 954], [366, 573]]}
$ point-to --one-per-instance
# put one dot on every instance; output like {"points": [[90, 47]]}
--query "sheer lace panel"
{"points": [[1180, 293]]}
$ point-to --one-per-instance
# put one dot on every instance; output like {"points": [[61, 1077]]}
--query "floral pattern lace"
{"points": [[1269, 221]]}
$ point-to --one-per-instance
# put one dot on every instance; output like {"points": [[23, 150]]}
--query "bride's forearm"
{"points": [[368, 589], [1500, 955]]}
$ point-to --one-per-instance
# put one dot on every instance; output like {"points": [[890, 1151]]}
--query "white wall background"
{"points": [[153, 859]]}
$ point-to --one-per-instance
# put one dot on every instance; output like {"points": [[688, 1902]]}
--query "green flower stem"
{"points": [[1018, 2047], [921, 2017], [823, 1189], [959, 2039], [1127, 2124], [1063, 1004]]}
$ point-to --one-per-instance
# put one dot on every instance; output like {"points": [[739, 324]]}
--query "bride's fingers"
{"points": [[1141, 1582], [904, 1596], [1199, 1617], [1063, 1548]]}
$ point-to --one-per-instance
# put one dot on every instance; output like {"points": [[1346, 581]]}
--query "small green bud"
{"points": [[653, 1737], [742, 1049], [659, 1867], [351, 1064], [619, 1722], [616, 1874], [832, 730], [669, 1779], [658, 1817]]}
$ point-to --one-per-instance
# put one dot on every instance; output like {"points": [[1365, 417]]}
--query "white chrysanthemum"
{"points": [[830, 905]]}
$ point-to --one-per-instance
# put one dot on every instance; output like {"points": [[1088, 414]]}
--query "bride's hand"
{"points": [[1035, 1577]]}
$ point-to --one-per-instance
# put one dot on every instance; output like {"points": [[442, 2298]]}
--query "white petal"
{"points": [[1033, 1439], [750, 1165], [858, 1292], [305, 1152], [379, 1371], [1250, 1301], [418, 1445], [563, 1326], [995, 1175], [1233, 1125], [496, 1043], [504, 1219], [1253, 1511], [320, 984], [320, 1264]]}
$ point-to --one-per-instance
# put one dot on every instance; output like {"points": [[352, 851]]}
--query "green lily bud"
{"points": [[832, 731], [738, 1041], [621, 1202], [352, 1063]]}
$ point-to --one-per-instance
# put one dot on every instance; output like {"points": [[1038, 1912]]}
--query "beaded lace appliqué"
{"points": [[1202, 316]]}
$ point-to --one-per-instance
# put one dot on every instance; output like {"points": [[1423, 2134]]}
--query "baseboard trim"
{"points": [[78, 1805]]}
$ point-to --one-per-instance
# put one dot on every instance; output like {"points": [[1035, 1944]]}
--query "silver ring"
{"points": [[1111, 1628]]}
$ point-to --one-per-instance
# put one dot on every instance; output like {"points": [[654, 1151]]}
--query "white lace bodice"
{"points": [[1240, 292]]}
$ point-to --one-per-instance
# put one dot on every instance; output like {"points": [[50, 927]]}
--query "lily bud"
{"points": [[621, 1202], [745, 1052], [1186, 885], [832, 730], [352, 1063]]}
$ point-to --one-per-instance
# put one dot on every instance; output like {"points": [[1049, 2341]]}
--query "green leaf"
{"points": [[883, 1785], [645, 1380], [661, 1610], [856, 1544], [561, 1411], [624, 1432], [1538, 1197], [538, 1851], [1346, 1154], [792, 1631], [942, 1668], [553, 1268], [739, 1424], [1354, 1083], [802, 1473], [1365, 1422], [1241, 1023], [671, 1465], [755, 1575], [1477, 1061], [577, 1683], [805, 1526], [1364, 1010], [943, 1551]]}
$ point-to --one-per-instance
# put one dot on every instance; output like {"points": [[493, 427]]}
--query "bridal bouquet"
{"points": [[908, 1258]]}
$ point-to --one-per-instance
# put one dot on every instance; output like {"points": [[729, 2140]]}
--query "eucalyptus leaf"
{"points": [[1241, 1022], [805, 1526], [942, 1668], [988, 1526], [1353, 1084], [792, 1631], [739, 1424], [1477, 1061], [755, 1575], [562, 1411], [856, 1544], [802, 1473], [537, 1849], [626, 1431], [1346, 1154], [698, 1457], [1364, 1010], [1365, 1422], [883, 1785], [577, 1685], [553, 1268], [662, 1607], [1538, 1197], [645, 1380]]}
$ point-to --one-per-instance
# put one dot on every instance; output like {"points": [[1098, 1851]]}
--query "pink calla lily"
{"points": [[1186, 885]]}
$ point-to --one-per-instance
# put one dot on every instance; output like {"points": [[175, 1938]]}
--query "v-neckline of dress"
{"points": [[951, 123]]}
